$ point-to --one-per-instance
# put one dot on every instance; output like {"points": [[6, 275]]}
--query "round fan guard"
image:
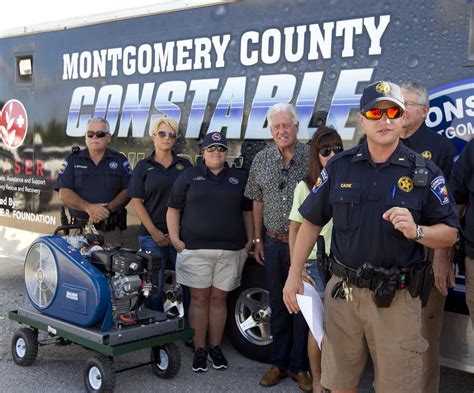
{"points": [[41, 275]]}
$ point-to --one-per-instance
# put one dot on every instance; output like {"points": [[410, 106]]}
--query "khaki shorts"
{"points": [[221, 269], [469, 262], [391, 335]]}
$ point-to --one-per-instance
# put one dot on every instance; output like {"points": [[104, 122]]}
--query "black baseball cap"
{"points": [[214, 139], [381, 91]]}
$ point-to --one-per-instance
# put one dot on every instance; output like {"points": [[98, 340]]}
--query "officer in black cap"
{"points": [[417, 136], [461, 185], [387, 202], [93, 183]]}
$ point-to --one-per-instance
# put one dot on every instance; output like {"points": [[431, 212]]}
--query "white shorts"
{"points": [[221, 269]]}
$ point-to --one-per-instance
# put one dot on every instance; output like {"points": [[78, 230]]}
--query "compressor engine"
{"points": [[75, 279]]}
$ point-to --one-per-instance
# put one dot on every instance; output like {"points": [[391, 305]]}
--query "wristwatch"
{"points": [[257, 240], [420, 233]]}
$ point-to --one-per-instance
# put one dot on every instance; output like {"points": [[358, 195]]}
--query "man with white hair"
{"points": [[93, 183], [274, 174]]}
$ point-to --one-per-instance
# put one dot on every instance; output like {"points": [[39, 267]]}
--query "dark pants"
{"points": [[289, 331], [167, 253]]}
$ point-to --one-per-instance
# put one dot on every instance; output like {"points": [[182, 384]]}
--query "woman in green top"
{"points": [[325, 143]]}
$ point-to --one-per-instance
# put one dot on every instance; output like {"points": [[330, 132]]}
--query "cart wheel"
{"points": [[99, 375], [25, 346], [166, 360]]}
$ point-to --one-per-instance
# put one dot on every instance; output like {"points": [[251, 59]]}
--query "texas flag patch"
{"points": [[438, 187], [323, 178]]}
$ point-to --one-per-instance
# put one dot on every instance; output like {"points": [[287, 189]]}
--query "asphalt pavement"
{"points": [[59, 368]]}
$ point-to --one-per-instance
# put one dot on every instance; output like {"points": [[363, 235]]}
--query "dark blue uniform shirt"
{"points": [[356, 193], [95, 184], [433, 147], [211, 208], [152, 183], [461, 185]]}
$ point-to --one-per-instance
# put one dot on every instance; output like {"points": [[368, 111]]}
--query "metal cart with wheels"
{"points": [[99, 375]]}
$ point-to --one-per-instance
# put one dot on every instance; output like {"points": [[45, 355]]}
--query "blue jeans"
{"points": [[155, 300], [313, 271], [289, 331]]}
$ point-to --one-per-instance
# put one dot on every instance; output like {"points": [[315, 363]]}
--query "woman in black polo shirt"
{"points": [[149, 188], [210, 224]]}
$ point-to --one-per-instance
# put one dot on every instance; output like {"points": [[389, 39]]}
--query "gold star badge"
{"points": [[405, 184], [426, 154], [382, 87]]}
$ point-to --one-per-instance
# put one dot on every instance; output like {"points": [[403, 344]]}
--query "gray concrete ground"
{"points": [[59, 369]]}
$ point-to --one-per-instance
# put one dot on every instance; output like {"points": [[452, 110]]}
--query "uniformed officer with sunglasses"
{"points": [[93, 183], [387, 203]]}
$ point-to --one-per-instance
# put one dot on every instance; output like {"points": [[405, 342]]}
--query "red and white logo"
{"points": [[216, 136], [13, 124]]}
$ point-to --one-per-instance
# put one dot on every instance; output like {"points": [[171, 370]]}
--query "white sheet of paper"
{"points": [[313, 311]]}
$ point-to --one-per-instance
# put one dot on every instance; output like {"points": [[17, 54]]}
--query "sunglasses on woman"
{"points": [[212, 149], [326, 151], [377, 113], [164, 134], [98, 134]]}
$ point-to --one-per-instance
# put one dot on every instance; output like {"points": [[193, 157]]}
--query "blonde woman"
{"points": [[149, 188]]}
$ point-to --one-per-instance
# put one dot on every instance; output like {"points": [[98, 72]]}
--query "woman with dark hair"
{"points": [[325, 143], [210, 225]]}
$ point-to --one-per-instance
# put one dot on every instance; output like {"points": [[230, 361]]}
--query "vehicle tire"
{"points": [[166, 360], [248, 316], [25, 346], [99, 375]]}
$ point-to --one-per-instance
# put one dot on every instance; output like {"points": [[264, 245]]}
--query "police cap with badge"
{"points": [[387, 91]]}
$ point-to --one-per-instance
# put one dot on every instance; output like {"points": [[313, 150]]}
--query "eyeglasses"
{"points": [[98, 134], [377, 113], [164, 134], [212, 149], [283, 183], [413, 103], [326, 151]]}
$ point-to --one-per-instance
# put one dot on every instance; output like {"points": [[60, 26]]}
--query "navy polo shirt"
{"points": [[461, 184], [152, 183], [433, 147], [356, 193], [211, 208], [94, 183]]}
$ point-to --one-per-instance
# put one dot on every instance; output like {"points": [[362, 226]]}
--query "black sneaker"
{"points": [[200, 360], [217, 357]]}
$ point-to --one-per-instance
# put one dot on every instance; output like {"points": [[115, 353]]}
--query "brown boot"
{"points": [[304, 380], [273, 376]]}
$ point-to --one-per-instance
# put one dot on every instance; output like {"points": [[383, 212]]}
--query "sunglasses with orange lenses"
{"points": [[377, 113]]}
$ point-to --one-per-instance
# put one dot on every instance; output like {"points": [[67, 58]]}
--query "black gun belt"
{"points": [[352, 276]]}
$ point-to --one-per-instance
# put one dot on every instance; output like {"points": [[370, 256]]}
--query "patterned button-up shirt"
{"points": [[269, 182]]}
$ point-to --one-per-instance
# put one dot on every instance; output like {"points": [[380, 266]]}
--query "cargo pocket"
{"points": [[346, 207], [412, 350]]}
